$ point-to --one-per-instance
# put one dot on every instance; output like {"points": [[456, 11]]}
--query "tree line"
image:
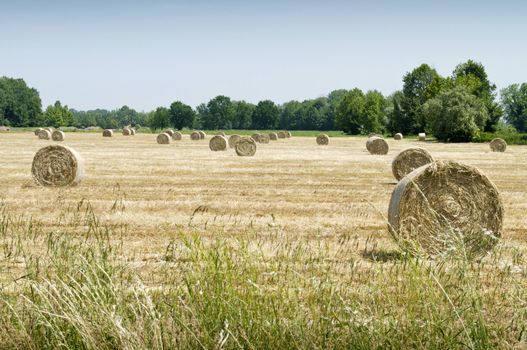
{"points": [[452, 108]]}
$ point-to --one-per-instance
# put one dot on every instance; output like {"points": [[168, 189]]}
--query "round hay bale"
{"points": [[256, 137], [126, 132], [220, 133], [443, 206], [163, 139], [132, 131], [57, 135], [264, 138], [422, 136], [498, 145], [233, 139], [408, 160], [44, 134], [195, 136], [287, 134], [57, 166], [202, 135], [398, 136], [37, 131], [273, 136], [170, 132], [323, 140], [107, 133], [377, 145], [245, 147], [218, 143], [177, 136], [50, 130], [281, 135]]}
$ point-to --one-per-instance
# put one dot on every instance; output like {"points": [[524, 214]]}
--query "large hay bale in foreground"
{"points": [[377, 145], [323, 140], [398, 136], [245, 147], [446, 208], [195, 136], [163, 139], [170, 132], [281, 135], [57, 166], [233, 139], [126, 132], [37, 131], [408, 160], [256, 137], [422, 136], [57, 135], [107, 133], [218, 143], [498, 145], [177, 136], [202, 135], [44, 134], [264, 138], [273, 136]]}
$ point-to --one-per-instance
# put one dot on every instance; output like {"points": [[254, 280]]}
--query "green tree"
{"points": [[395, 112], [373, 118], [57, 115], [19, 104], [266, 115], [159, 119], [456, 115], [219, 114], [243, 115], [288, 113], [514, 101], [181, 115], [350, 112], [334, 98]]}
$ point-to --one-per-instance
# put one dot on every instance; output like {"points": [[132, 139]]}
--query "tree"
{"points": [[395, 113], [159, 119], [57, 115], [266, 115], [181, 115], [350, 111], [373, 118], [514, 101], [456, 115], [243, 115], [19, 104], [219, 114], [334, 98], [288, 114]]}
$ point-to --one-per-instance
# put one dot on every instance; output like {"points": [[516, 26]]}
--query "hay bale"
{"points": [[245, 147], [233, 139], [498, 145], [408, 160], [220, 133], [273, 136], [264, 138], [177, 136], [256, 137], [44, 134], [422, 136], [398, 136], [323, 140], [163, 139], [218, 143], [57, 166], [37, 131], [132, 131], [107, 133], [202, 135], [170, 132], [50, 130], [281, 135], [377, 145], [443, 206], [58, 135], [127, 132], [287, 134], [194, 136]]}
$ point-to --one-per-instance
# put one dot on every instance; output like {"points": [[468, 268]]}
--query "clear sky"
{"points": [[146, 54]]}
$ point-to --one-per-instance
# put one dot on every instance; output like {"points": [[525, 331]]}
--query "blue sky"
{"points": [[146, 54]]}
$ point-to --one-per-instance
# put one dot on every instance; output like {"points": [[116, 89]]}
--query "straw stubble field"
{"points": [[319, 212]]}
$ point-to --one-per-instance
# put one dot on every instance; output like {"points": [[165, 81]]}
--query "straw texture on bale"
{"points": [[498, 145], [177, 136], [323, 140], [127, 132], [37, 131], [233, 139], [245, 147], [163, 139], [422, 136], [107, 133], [57, 166], [287, 134], [408, 160], [377, 145], [218, 143], [398, 136], [221, 133], [202, 135], [273, 136], [44, 134], [446, 208], [281, 135], [256, 137], [195, 136], [264, 138], [170, 132], [57, 135]]}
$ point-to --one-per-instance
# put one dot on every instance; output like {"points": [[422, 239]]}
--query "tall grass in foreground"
{"points": [[75, 287]]}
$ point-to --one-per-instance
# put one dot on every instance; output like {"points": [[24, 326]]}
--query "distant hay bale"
{"points": [[50, 130], [132, 131], [218, 143], [220, 133], [245, 147], [323, 140], [422, 136], [163, 139], [126, 132], [398, 136], [443, 206], [202, 135], [37, 131], [170, 132], [281, 135], [233, 139], [57, 166], [195, 136], [498, 145], [273, 136], [287, 134], [408, 160], [107, 133], [57, 135], [264, 138], [44, 134], [177, 136], [377, 145], [256, 137]]}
